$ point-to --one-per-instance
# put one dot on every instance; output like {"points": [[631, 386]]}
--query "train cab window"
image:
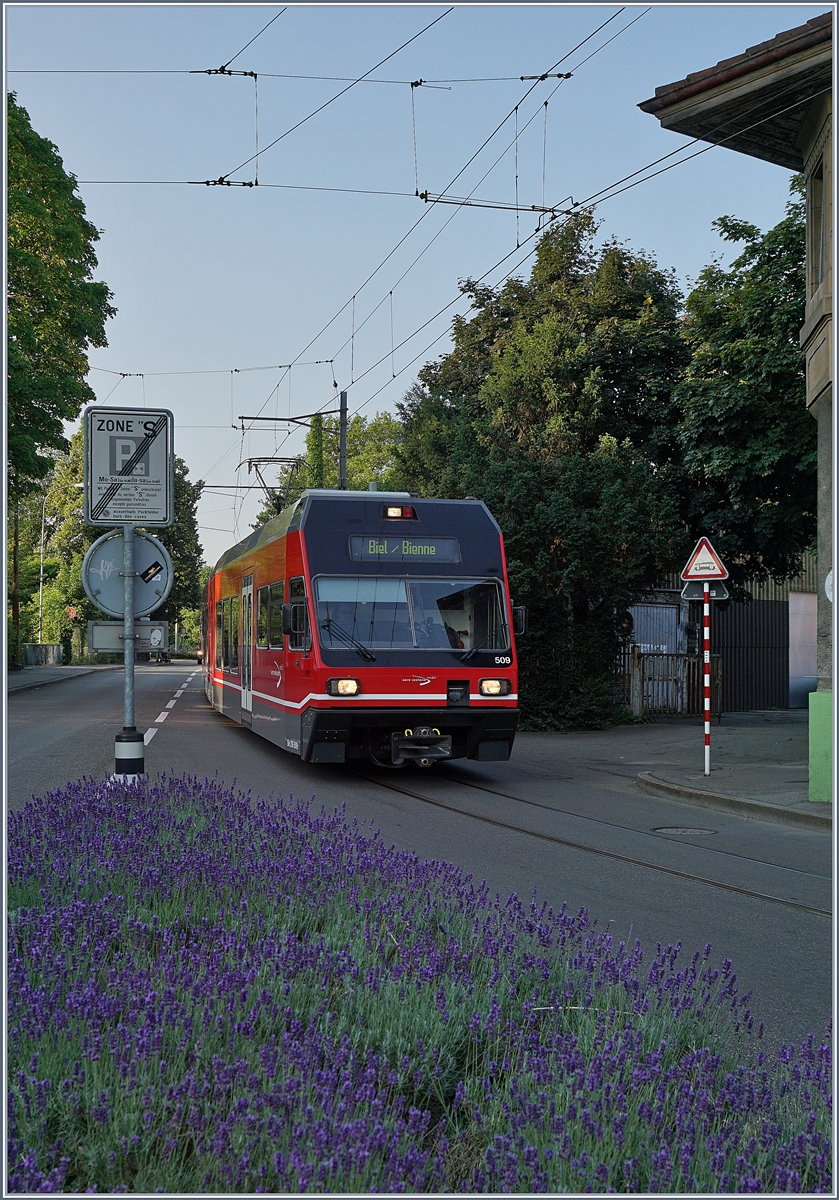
{"points": [[275, 624], [219, 635], [300, 637], [410, 614], [234, 635], [262, 599]]}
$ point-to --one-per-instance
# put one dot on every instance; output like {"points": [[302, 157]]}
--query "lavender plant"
{"points": [[209, 992]]}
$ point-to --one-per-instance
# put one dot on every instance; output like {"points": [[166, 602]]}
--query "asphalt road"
{"points": [[755, 890]]}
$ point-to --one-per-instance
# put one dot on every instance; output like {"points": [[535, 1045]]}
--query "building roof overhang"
{"points": [[757, 102]]}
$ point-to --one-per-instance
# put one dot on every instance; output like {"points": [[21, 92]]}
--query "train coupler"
{"points": [[423, 745]]}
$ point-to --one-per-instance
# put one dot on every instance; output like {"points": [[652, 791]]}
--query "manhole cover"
{"points": [[682, 830]]}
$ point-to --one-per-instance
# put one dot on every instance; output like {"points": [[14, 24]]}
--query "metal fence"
{"points": [[667, 685]]}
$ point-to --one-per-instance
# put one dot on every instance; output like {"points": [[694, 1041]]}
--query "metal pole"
{"points": [[129, 746], [706, 622], [342, 443], [128, 627]]}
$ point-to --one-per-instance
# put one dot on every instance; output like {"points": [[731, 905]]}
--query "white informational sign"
{"points": [[109, 636], [129, 467], [695, 590], [704, 563]]}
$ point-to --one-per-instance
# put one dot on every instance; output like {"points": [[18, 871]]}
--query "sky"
{"points": [[213, 282]]}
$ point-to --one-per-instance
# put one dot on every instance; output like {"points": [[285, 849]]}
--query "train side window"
{"points": [[219, 634], [300, 637], [275, 628], [262, 597], [234, 635], [225, 643]]}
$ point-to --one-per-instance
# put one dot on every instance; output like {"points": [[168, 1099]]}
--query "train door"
{"points": [[247, 644]]}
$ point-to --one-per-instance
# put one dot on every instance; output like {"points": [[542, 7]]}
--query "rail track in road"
{"points": [[612, 854]]}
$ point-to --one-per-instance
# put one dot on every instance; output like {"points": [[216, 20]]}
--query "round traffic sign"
{"points": [[104, 582], [71, 613]]}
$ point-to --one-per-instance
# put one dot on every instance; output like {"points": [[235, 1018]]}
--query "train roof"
{"points": [[293, 517]]}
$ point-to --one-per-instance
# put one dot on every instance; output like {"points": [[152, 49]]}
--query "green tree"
{"points": [[181, 539], [56, 311], [314, 453], [29, 510], [71, 537], [749, 443], [556, 407], [372, 456], [190, 618]]}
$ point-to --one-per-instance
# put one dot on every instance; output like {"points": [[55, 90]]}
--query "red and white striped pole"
{"points": [[706, 624]]}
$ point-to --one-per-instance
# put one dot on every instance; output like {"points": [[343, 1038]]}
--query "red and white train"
{"points": [[367, 625]]}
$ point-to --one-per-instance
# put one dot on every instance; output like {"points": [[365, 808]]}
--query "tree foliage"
{"points": [[372, 456], [69, 538], [556, 407], [749, 443], [56, 311]]}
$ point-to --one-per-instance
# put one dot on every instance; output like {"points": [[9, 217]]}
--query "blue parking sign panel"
{"points": [[129, 465]]}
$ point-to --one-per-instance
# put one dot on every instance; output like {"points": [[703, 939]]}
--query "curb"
{"points": [[28, 687], [757, 809]]}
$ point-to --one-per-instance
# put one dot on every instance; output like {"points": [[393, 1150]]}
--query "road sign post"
{"points": [[129, 746], [702, 568], [128, 481]]}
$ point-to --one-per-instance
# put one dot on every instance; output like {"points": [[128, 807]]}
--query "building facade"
{"points": [[774, 102]]}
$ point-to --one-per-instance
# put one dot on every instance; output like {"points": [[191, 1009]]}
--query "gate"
{"points": [[671, 685]]}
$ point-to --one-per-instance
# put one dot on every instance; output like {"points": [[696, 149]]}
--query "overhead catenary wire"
{"points": [[426, 83], [613, 190], [269, 75], [253, 39], [338, 95], [517, 174], [597, 198], [537, 79], [414, 128], [458, 203], [315, 362], [425, 213], [501, 124]]}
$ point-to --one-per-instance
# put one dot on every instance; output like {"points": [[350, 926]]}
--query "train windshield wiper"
{"points": [[470, 653], [335, 630]]}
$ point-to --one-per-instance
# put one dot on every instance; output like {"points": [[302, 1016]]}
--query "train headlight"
{"points": [[343, 687], [494, 687]]}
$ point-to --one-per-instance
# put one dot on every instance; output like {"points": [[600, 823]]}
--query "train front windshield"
{"points": [[410, 613]]}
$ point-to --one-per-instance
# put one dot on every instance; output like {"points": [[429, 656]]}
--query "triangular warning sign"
{"points": [[704, 563]]}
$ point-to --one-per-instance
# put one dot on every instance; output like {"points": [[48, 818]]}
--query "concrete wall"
{"points": [[803, 673]]}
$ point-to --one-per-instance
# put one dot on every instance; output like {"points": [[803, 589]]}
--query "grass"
{"points": [[209, 992]]}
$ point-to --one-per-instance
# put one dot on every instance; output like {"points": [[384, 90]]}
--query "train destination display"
{"points": [[404, 549]]}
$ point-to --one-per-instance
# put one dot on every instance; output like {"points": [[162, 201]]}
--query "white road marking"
{"points": [[161, 717], [148, 735], [172, 703], [180, 693]]}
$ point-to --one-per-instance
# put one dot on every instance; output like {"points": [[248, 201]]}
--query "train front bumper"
{"points": [[336, 735]]}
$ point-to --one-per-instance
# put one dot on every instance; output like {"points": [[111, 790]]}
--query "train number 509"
{"points": [[503, 660]]}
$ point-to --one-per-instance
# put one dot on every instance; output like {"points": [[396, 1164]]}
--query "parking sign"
{"points": [[129, 467]]}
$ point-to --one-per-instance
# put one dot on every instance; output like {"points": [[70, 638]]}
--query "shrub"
{"points": [[214, 993]]}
